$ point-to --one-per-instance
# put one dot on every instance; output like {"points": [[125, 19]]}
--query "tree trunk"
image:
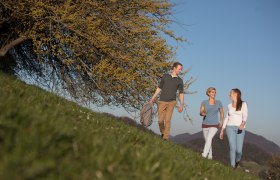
{"points": [[7, 64], [10, 45]]}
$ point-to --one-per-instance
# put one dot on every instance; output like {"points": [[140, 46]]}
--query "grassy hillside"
{"points": [[45, 136]]}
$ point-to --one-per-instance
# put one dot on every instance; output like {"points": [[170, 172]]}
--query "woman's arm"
{"points": [[244, 115], [224, 125], [226, 120], [202, 110], [244, 112], [222, 133], [221, 116]]}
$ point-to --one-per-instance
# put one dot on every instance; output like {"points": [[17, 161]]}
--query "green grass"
{"points": [[43, 136], [253, 167]]}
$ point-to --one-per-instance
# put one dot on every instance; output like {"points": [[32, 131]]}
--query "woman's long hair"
{"points": [[239, 100]]}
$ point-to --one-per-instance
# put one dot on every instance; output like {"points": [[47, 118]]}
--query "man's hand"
{"points": [[181, 97], [180, 109], [155, 96]]}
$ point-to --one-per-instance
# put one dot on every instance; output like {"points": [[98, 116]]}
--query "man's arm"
{"points": [[155, 95], [181, 98]]}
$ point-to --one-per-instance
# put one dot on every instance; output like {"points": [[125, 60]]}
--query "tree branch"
{"points": [[10, 45]]}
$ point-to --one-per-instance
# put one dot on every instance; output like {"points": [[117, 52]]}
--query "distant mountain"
{"points": [[257, 140], [251, 152], [268, 146], [186, 137], [180, 138]]}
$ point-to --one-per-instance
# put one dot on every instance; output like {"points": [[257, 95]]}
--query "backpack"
{"points": [[146, 115]]}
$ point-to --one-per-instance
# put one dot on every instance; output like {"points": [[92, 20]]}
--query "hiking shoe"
{"points": [[237, 165]]}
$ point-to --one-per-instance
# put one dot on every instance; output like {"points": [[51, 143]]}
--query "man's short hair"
{"points": [[176, 64]]}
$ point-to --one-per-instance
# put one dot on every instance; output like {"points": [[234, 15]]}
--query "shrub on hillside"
{"points": [[274, 169]]}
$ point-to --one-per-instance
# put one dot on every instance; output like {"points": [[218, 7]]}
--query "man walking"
{"points": [[168, 87]]}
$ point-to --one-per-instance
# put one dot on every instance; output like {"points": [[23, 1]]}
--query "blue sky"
{"points": [[231, 44]]}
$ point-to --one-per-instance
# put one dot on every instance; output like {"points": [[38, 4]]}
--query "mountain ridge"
{"points": [[267, 145]]}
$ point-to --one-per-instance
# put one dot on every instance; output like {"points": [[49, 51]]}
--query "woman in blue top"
{"points": [[210, 110]]}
